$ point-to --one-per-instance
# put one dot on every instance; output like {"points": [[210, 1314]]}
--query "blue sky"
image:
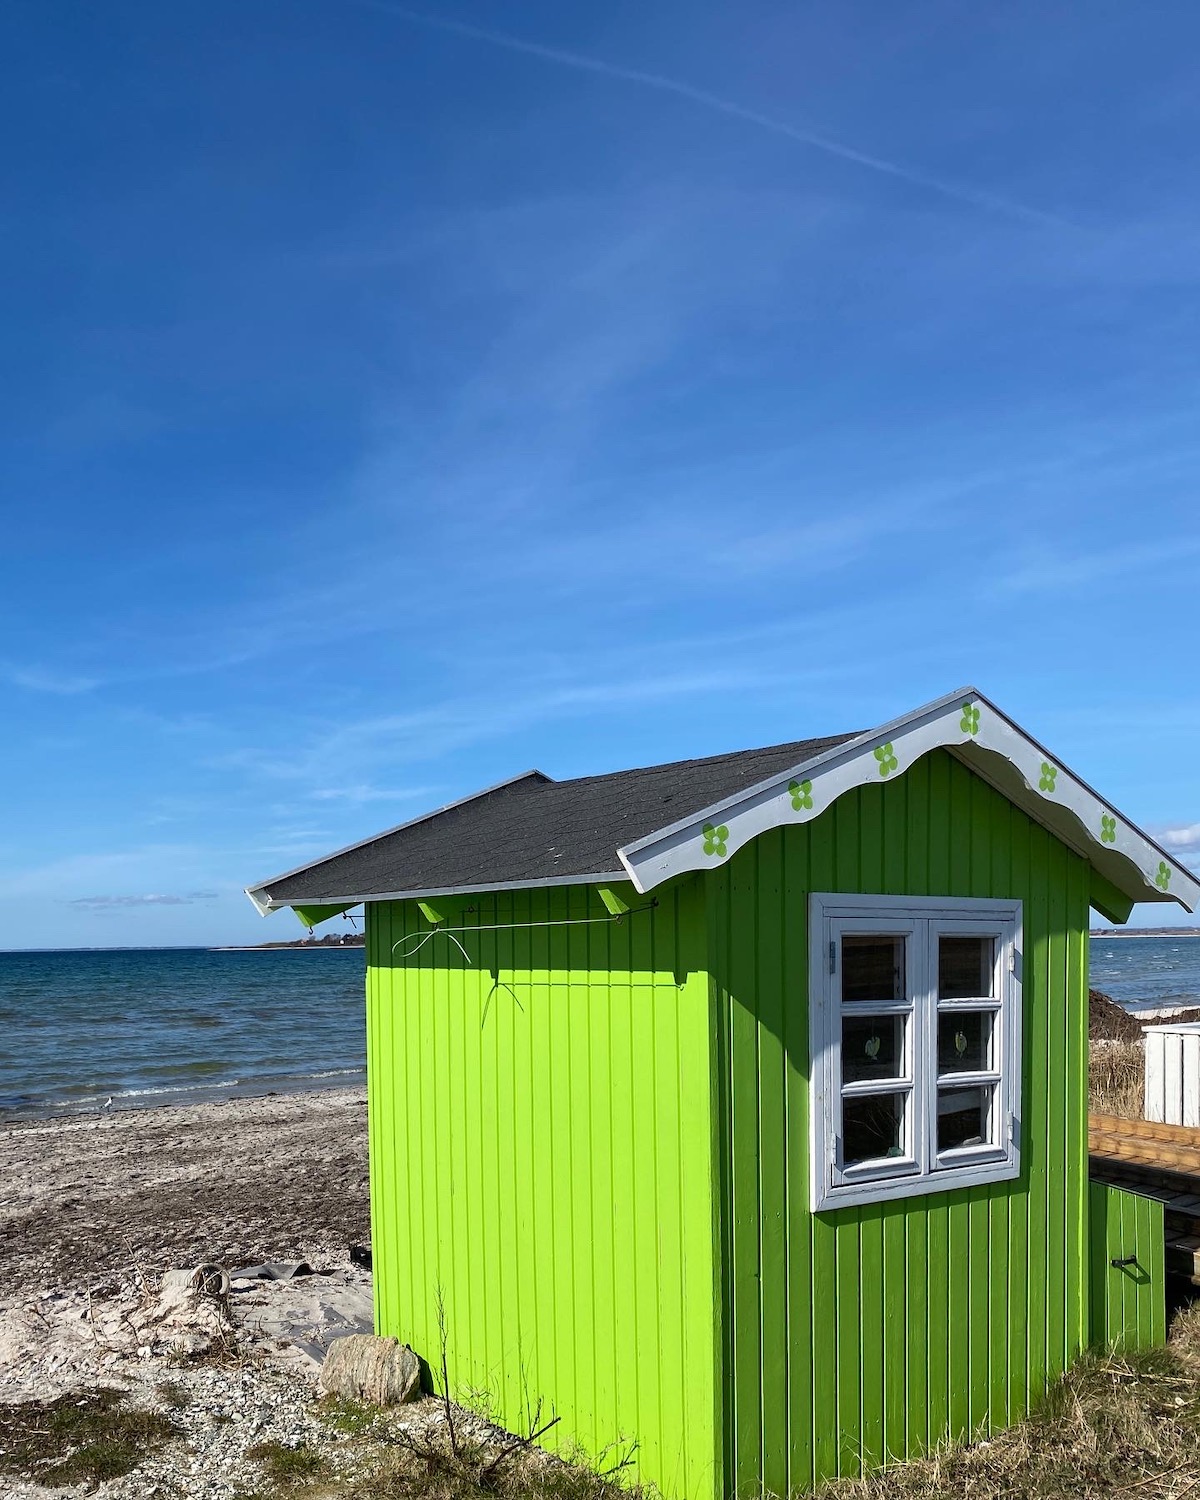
{"points": [[394, 400]]}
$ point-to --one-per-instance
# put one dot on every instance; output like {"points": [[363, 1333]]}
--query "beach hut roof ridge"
{"points": [[531, 830], [651, 823]]}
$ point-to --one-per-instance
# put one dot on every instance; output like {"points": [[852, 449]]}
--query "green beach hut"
{"points": [[735, 1109]]}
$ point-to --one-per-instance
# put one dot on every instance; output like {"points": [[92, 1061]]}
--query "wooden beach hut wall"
{"points": [[734, 1109]]}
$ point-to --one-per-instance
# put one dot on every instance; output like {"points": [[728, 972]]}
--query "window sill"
{"points": [[928, 1185]]}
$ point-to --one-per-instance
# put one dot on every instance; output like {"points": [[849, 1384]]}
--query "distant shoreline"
{"points": [[1145, 932], [289, 948], [178, 948]]}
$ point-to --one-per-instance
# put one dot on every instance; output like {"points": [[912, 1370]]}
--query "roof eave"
{"points": [[315, 864], [261, 897], [969, 725], [966, 723]]}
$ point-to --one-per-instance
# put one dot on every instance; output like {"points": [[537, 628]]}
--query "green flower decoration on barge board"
{"points": [[1049, 776], [1108, 829], [969, 723], [714, 839], [886, 757], [801, 795], [1163, 879]]}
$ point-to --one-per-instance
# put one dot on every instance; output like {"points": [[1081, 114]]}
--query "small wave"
{"points": [[1187, 999], [181, 1088], [11, 1103], [145, 1093], [200, 1085]]}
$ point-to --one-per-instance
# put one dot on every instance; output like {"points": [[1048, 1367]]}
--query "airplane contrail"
{"points": [[975, 197]]}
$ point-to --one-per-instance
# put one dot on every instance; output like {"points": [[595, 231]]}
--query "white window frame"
{"points": [[920, 1168]]}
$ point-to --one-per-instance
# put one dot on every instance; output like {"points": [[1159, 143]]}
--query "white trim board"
{"points": [[974, 729]]}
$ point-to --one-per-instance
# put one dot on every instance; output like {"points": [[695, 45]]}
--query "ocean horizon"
{"points": [[143, 1026]]}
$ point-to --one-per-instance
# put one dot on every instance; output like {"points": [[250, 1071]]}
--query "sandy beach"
{"points": [[245, 1180], [93, 1211]]}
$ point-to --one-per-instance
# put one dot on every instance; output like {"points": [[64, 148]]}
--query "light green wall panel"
{"points": [[1128, 1301], [542, 1151], [863, 1335]]}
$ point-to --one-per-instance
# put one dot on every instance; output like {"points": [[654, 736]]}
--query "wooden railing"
{"points": [[1145, 1143]]}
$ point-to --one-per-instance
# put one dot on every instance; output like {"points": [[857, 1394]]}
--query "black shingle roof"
{"points": [[535, 829]]}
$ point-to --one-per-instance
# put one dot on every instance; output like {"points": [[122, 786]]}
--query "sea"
{"points": [[147, 1026], [150, 1026], [1147, 974]]}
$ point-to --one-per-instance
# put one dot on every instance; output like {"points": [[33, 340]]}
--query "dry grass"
{"points": [[1116, 1079], [434, 1470], [1114, 1425]]}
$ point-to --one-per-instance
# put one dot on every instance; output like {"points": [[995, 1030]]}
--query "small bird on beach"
{"points": [[107, 1103]]}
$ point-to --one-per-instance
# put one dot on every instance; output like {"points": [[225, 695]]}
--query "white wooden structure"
{"points": [[1173, 1073]]}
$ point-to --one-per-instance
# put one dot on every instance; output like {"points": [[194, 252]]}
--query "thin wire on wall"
{"points": [[423, 937]]}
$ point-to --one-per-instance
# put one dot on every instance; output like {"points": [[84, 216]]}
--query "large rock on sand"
{"points": [[362, 1367]]}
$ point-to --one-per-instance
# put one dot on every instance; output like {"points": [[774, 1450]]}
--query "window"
{"points": [[916, 1045]]}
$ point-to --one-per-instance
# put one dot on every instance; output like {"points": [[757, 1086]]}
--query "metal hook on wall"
{"points": [[498, 984]]}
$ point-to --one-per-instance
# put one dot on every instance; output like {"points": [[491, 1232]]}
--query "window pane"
{"points": [[965, 1041], [963, 1118], [965, 968], [872, 1047], [872, 968], [872, 1128]]}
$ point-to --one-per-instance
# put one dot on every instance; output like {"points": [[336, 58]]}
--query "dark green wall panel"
{"points": [[1128, 1302], [865, 1334]]}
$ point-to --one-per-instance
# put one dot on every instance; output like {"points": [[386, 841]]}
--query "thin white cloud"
{"points": [[1181, 840], [360, 792], [40, 680], [101, 903], [58, 878], [1053, 572], [351, 748], [959, 192]]}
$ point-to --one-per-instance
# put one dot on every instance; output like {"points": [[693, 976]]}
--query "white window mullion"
{"points": [[928, 1008]]}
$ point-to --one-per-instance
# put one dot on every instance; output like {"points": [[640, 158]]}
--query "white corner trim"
{"points": [[966, 722], [260, 903]]}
